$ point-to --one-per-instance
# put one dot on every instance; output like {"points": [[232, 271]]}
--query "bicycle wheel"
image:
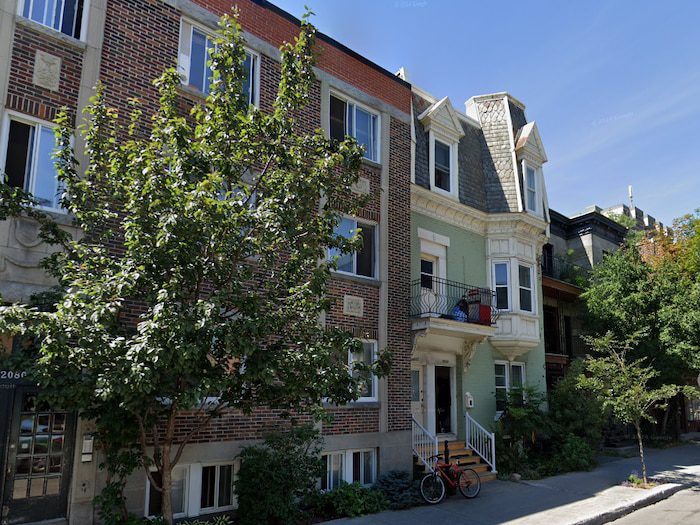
{"points": [[469, 483], [432, 488]]}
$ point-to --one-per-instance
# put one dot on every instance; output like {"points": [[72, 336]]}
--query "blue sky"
{"points": [[614, 86]]}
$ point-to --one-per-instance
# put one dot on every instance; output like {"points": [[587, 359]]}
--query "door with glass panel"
{"points": [[37, 471]]}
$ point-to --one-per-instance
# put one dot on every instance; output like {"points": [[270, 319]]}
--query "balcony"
{"points": [[563, 270], [435, 297], [453, 313]]}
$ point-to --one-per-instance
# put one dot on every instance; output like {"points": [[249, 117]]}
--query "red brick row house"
{"points": [[52, 52]]}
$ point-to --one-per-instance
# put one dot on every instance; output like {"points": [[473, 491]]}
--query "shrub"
{"points": [[575, 454], [288, 464], [350, 500], [400, 489], [575, 411]]}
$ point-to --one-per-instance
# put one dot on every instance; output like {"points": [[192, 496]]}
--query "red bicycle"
{"points": [[432, 486]]}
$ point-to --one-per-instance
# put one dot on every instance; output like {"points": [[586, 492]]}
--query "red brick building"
{"points": [[51, 54]]}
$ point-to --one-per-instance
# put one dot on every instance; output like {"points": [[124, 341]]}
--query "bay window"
{"points": [[501, 285], [525, 286]]}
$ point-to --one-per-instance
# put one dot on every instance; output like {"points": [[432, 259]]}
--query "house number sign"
{"points": [[12, 375]]}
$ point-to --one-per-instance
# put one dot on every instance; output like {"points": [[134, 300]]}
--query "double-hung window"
{"points": [[427, 272], [368, 382], [508, 376], [349, 466], [195, 47], [364, 261], [62, 15], [442, 163], [525, 286], [531, 188], [29, 161], [348, 118], [501, 285], [217, 488]]}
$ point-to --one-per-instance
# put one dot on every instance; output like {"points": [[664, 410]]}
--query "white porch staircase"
{"points": [[426, 444]]}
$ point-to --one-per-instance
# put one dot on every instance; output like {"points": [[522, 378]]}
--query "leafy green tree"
{"points": [[200, 277], [623, 385], [652, 285]]}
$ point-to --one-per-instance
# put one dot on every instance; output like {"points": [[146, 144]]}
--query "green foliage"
{"points": [[523, 421], [575, 454], [226, 217], [276, 475], [400, 489], [347, 501], [623, 384], [573, 412]]}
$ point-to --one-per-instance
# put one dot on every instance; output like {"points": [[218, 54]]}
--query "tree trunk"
{"points": [[641, 452], [664, 423], [166, 484]]}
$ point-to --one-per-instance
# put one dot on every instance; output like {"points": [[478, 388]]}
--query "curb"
{"points": [[655, 495]]}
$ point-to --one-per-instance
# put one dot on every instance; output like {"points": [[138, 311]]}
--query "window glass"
{"points": [[62, 15], [334, 471], [155, 500], [199, 71], [531, 190], [501, 280], [363, 261], [442, 165], [208, 484], [366, 356], [338, 114], [415, 385], [364, 132], [501, 386], [225, 485], [426, 273], [525, 276], [29, 162]]}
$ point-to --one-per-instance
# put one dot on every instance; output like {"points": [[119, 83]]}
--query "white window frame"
{"points": [[185, 496], [347, 465], [216, 507], [536, 190], [83, 20], [509, 382], [533, 301], [507, 286], [4, 139], [375, 269], [327, 474], [184, 61], [373, 379], [454, 164], [352, 133]]}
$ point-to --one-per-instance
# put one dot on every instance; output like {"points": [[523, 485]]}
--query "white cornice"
{"points": [[439, 207], [448, 210]]}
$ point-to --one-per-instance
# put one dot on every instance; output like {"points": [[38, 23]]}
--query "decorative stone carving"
{"points": [[468, 351], [361, 187], [353, 306], [47, 70]]}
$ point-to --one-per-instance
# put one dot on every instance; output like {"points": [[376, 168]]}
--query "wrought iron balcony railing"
{"points": [[562, 270], [436, 297]]}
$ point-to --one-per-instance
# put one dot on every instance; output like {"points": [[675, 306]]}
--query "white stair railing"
{"points": [[481, 441], [425, 445]]}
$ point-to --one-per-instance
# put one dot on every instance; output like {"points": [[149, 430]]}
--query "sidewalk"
{"points": [[575, 498]]}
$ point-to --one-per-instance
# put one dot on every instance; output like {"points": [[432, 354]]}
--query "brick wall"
{"points": [[40, 102], [265, 21]]}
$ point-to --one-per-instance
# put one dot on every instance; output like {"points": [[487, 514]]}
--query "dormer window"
{"points": [[531, 189], [442, 166], [444, 129]]}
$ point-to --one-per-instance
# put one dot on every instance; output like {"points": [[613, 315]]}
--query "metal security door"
{"points": [[38, 466]]}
